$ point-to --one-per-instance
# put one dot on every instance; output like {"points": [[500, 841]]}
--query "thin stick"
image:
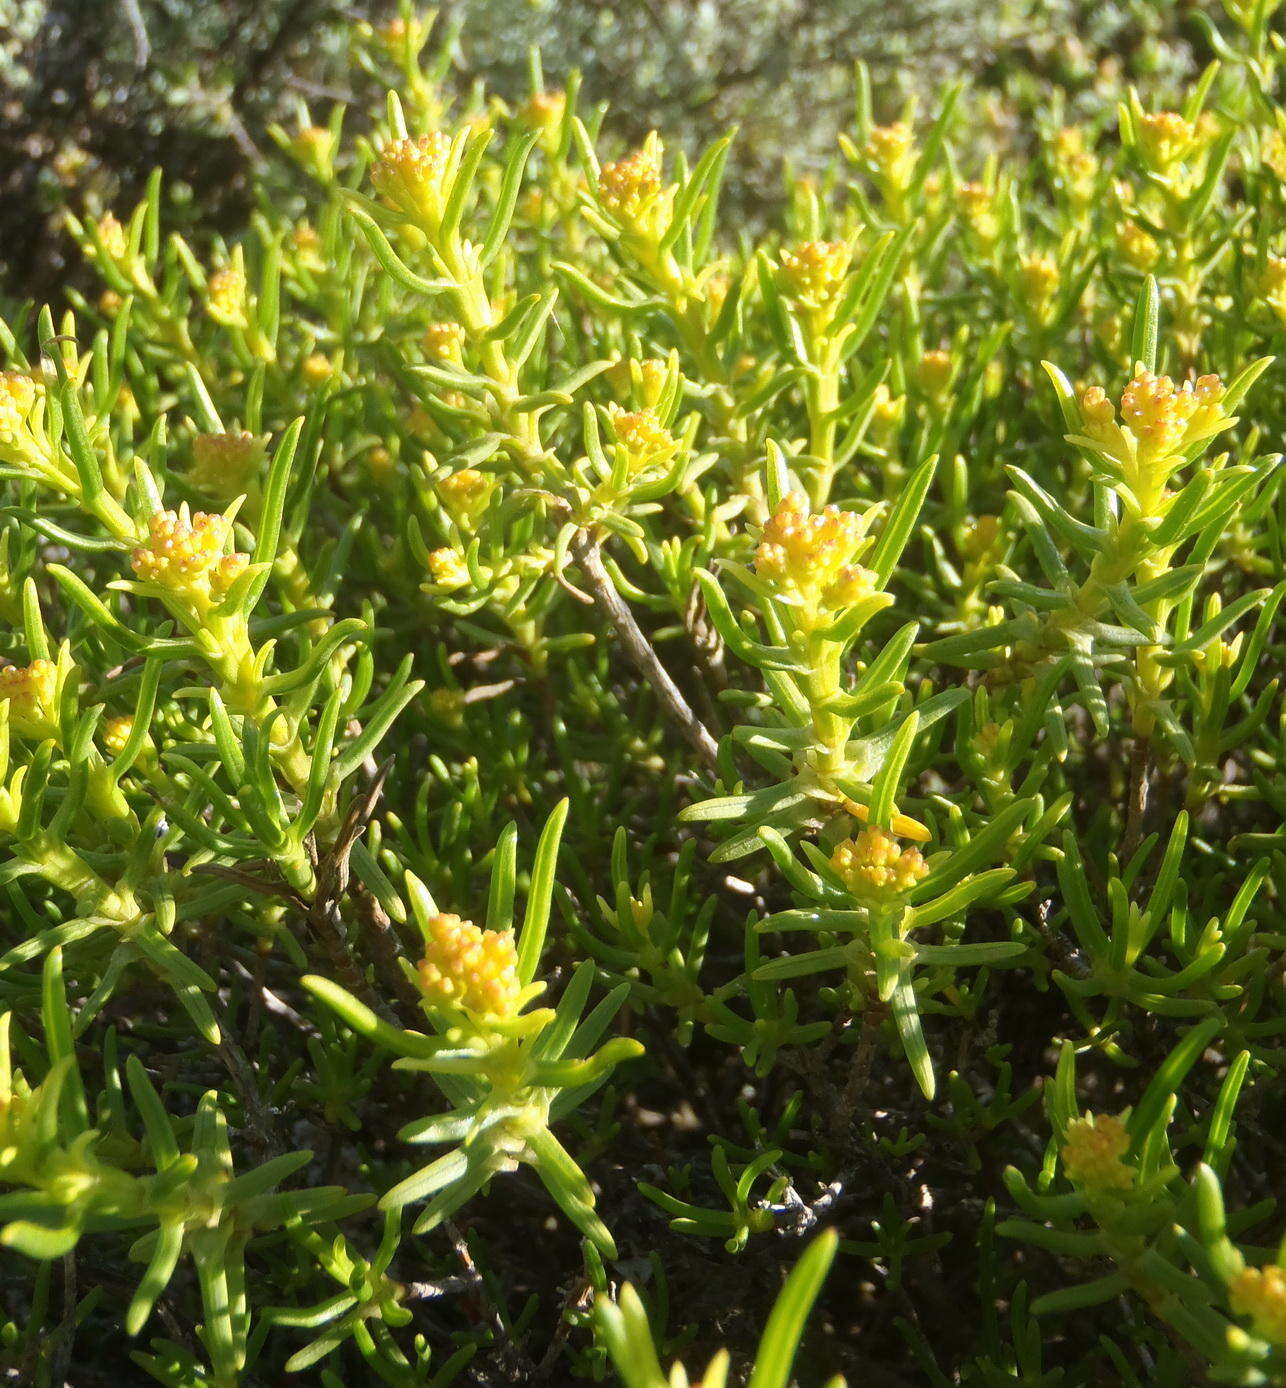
{"points": [[639, 649]]}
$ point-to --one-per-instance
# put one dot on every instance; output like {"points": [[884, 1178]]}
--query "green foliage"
{"points": [[836, 668]]}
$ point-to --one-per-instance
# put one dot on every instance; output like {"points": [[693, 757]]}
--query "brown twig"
{"points": [[585, 551]]}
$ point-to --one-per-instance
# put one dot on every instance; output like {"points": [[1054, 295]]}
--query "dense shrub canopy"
{"points": [[584, 784]]}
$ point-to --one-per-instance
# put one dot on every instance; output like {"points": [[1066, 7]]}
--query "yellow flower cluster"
{"points": [[314, 147], [1094, 1150], [1273, 285], [470, 969], [316, 369], [1040, 278], [544, 112], [116, 732], [185, 555], [112, 236], [1167, 138], [632, 191], [412, 176], [891, 150], [448, 569], [874, 866], [1260, 1293], [444, 340], [1138, 247], [645, 441], [18, 395], [226, 297], [811, 555], [29, 691], [465, 493], [1075, 163], [977, 206], [1159, 420], [814, 272], [306, 244], [933, 372]]}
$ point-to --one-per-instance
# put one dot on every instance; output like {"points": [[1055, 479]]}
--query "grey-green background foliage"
{"points": [[98, 92]]}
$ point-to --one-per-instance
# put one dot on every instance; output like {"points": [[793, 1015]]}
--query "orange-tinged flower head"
{"points": [[1159, 420], [627, 185], [186, 555], [470, 969], [874, 866], [1094, 1150], [543, 111], [810, 555], [631, 189]]}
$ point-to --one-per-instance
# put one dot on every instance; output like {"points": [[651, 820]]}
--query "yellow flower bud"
{"points": [[933, 373], [306, 244], [448, 569], [30, 691], [814, 272], [469, 969], [444, 341], [115, 733], [891, 151], [18, 396], [1093, 1153], [413, 175], [1260, 1293], [643, 439], [1275, 153], [314, 147], [1166, 138], [977, 206], [544, 112], [1040, 277], [875, 868], [111, 234], [466, 493], [1138, 247], [1272, 285], [226, 297], [632, 191], [316, 369]]}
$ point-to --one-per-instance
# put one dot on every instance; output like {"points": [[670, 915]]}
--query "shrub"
{"points": [[561, 760]]}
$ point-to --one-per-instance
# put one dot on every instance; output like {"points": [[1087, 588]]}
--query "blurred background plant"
{"points": [[93, 96]]}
